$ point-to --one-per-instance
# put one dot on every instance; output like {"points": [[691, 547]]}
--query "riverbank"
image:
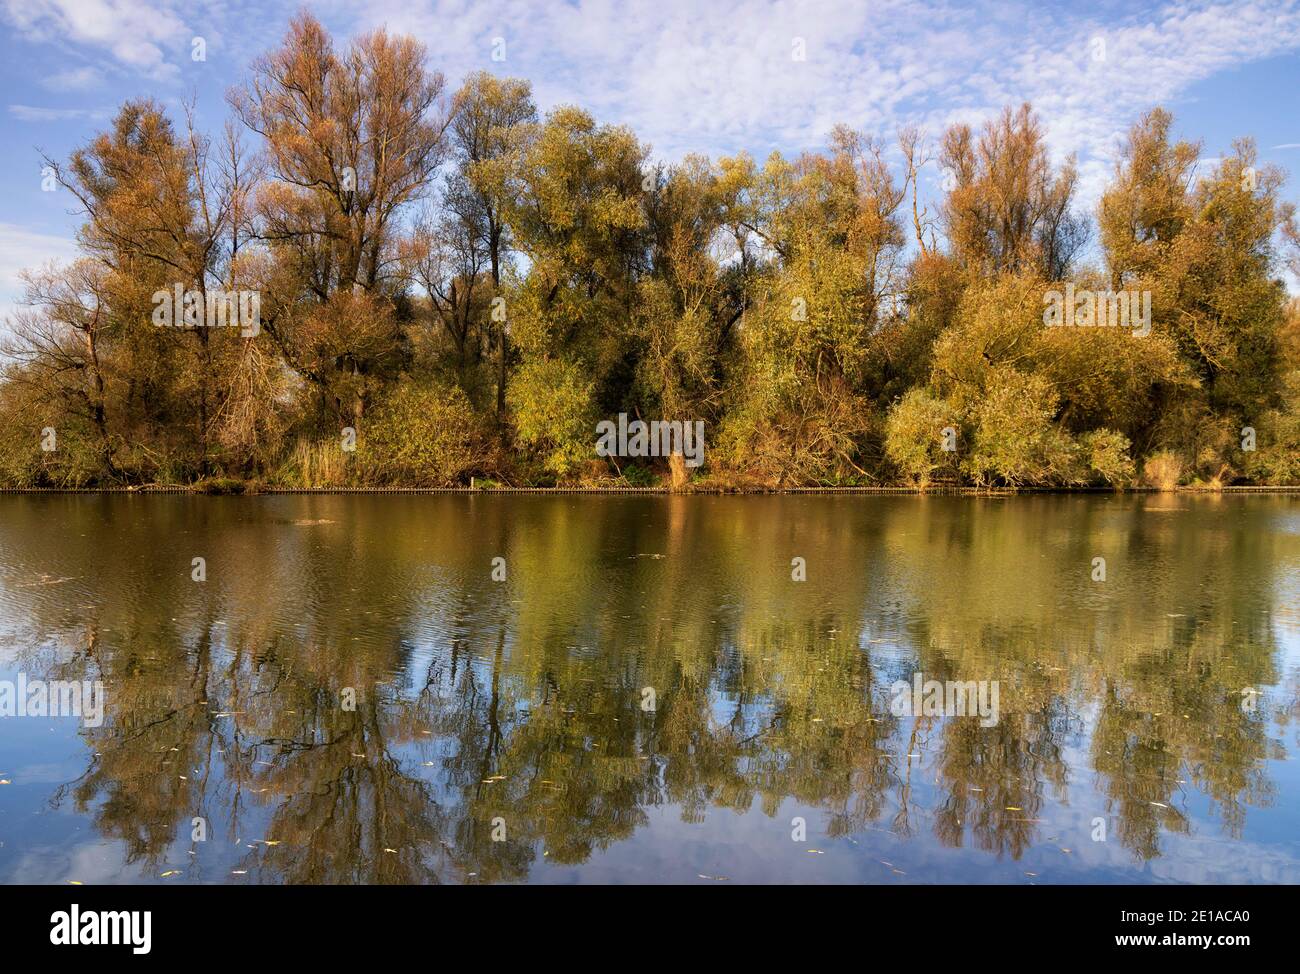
{"points": [[945, 490]]}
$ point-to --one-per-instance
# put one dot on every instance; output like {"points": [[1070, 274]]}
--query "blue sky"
{"points": [[714, 77]]}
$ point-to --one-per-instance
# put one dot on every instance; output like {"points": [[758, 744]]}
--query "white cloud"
{"points": [[136, 33], [22, 249], [719, 77], [34, 113], [74, 79]]}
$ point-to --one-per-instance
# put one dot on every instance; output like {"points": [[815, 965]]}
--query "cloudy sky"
{"points": [[715, 77]]}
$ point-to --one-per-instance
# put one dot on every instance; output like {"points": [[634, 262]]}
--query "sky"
{"points": [[708, 76]]}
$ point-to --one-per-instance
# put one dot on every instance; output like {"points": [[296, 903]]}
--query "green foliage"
{"points": [[220, 485], [639, 476], [20, 451], [1016, 442], [998, 323], [554, 413], [75, 461], [423, 435], [914, 435], [1276, 457], [1106, 455]]}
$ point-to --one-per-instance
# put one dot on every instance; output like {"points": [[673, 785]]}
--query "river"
{"points": [[559, 689]]}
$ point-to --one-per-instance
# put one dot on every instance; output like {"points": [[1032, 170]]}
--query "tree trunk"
{"points": [[677, 465], [501, 336]]}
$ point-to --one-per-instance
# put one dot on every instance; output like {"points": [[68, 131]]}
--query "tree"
{"points": [[352, 140], [1007, 210], [575, 212], [57, 347], [403, 242], [491, 115]]}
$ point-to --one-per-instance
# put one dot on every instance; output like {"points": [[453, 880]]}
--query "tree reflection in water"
{"points": [[517, 706]]}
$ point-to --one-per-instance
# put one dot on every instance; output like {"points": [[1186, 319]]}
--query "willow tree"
{"points": [[352, 140], [575, 211], [828, 228], [1008, 209], [688, 302], [490, 118], [1205, 245], [58, 350], [163, 212]]}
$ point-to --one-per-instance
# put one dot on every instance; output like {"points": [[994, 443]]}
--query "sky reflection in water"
{"points": [[522, 700]]}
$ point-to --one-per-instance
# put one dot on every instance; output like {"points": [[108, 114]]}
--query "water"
{"points": [[500, 730]]}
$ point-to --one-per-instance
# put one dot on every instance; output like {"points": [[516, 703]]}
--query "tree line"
{"points": [[450, 285]]}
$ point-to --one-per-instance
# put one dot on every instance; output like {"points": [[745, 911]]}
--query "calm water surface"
{"points": [[514, 709]]}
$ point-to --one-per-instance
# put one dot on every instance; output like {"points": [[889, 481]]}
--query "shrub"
{"points": [[317, 463], [1162, 470], [75, 462], [554, 413], [639, 476], [1276, 457], [1105, 452], [220, 485], [914, 435], [1016, 441], [424, 435]]}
